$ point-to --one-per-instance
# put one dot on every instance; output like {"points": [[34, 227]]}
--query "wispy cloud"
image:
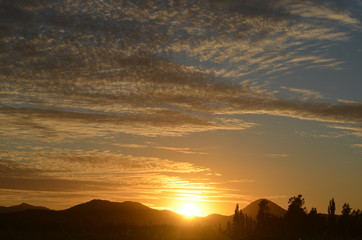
{"points": [[242, 181], [277, 155], [130, 145], [173, 122], [184, 150], [181, 150], [87, 68], [98, 171], [354, 130], [51, 174], [305, 93], [322, 10], [36, 122], [357, 145], [85, 163]]}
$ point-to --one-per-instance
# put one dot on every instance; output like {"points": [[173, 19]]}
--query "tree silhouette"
{"points": [[236, 224], [356, 224], [332, 207], [332, 217], [242, 225], [346, 210], [344, 220], [263, 215], [315, 224], [295, 216], [296, 206], [297, 224]]}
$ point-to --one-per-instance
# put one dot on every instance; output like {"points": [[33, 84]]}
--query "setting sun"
{"points": [[190, 210]]}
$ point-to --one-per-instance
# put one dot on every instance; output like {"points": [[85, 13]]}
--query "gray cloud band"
{"points": [[127, 66]]}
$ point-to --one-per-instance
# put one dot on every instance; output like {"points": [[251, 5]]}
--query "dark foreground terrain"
{"points": [[105, 220], [99, 219]]}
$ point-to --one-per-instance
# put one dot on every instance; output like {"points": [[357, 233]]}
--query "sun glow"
{"points": [[190, 210]]}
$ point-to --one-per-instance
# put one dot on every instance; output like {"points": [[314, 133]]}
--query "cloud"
{"points": [[97, 40], [56, 174], [322, 10], [175, 149], [181, 150], [318, 134], [74, 67], [59, 163], [130, 145], [305, 93], [53, 185], [348, 101], [341, 131], [277, 155], [191, 110], [355, 130], [97, 172], [242, 181], [23, 122], [357, 145]]}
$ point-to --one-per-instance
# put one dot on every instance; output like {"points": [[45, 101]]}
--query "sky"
{"points": [[167, 103]]}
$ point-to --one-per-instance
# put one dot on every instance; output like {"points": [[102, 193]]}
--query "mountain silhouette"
{"points": [[102, 219], [98, 212], [21, 207], [97, 205], [253, 208]]}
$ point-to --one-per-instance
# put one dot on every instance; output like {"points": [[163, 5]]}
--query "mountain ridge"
{"points": [[96, 212], [135, 211], [106, 216], [21, 207]]}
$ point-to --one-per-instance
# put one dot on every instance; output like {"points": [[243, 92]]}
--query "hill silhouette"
{"points": [[21, 207], [104, 205], [253, 208], [98, 212], [101, 219]]}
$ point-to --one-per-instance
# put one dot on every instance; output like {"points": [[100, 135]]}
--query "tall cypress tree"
{"points": [[332, 217], [236, 225]]}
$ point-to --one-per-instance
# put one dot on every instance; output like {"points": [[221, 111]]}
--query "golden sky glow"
{"points": [[169, 103]]}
